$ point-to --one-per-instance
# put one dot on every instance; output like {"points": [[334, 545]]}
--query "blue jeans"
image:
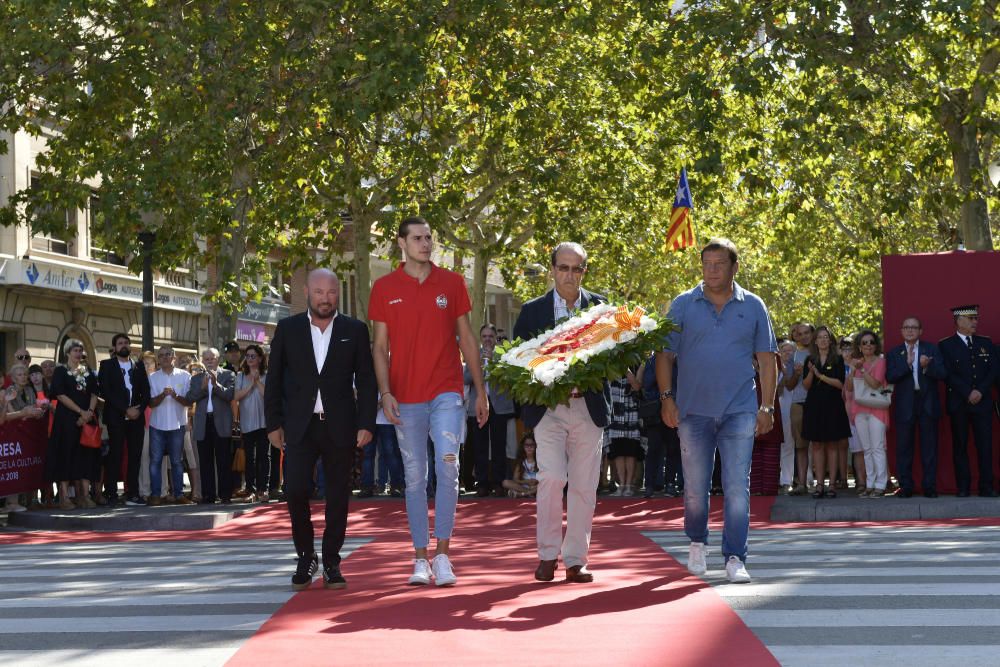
{"points": [[390, 462], [170, 443], [733, 436], [443, 418]]}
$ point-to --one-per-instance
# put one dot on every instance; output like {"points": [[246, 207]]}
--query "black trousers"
{"points": [[982, 429], [123, 433], [258, 458], [490, 447], [216, 461], [906, 443], [338, 462]]}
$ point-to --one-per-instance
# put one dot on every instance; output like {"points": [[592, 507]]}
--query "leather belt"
{"points": [[320, 416]]}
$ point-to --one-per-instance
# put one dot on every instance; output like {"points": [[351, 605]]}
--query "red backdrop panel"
{"points": [[928, 286]]}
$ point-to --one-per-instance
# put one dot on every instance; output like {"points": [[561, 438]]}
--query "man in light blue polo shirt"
{"points": [[721, 328]]}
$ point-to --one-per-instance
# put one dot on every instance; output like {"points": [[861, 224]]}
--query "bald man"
{"points": [[318, 359]]}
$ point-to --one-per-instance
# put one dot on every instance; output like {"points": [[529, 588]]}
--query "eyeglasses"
{"points": [[22, 357], [910, 326], [566, 268], [251, 355]]}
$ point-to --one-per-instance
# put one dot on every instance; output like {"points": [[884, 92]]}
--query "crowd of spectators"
{"points": [[182, 431]]}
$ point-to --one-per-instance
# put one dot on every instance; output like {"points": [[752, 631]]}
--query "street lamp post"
{"points": [[147, 239]]}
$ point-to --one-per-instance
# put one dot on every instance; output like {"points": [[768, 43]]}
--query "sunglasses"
{"points": [[250, 356], [566, 268], [22, 357]]}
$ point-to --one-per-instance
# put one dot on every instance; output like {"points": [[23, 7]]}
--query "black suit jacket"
{"points": [[292, 380], [968, 369], [111, 384], [538, 315], [910, 404]]}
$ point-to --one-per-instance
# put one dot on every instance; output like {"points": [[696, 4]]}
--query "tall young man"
{"points": [[418, 311], [125, 390], [722, 327]]}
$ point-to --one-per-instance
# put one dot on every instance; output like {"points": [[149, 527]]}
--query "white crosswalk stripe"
{"points": [[864, 596], [145, 603]]}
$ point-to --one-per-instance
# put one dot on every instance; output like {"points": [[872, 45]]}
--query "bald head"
{"points": [[322, 293]]}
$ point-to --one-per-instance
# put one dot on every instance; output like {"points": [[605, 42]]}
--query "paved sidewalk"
{"points": [[848, 507]]}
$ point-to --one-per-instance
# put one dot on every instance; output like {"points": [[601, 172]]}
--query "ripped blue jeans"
{"points": [[443, 418]]}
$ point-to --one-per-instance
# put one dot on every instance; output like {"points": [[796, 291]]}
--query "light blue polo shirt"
{"points": [[715, 351]]}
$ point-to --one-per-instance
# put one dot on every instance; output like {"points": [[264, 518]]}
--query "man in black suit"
{"points": [[320, 401], [970, 363], [569, 437], [125, 390], [915, 367]]}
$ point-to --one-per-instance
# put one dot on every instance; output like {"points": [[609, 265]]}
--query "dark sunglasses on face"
{"points": [[566, 268], [22, 357], [250, 356]]}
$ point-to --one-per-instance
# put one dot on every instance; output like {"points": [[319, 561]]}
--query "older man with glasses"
{"points": [[914, 367]]}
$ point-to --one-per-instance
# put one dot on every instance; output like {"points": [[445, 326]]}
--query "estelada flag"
{"points": [[680, 234]]}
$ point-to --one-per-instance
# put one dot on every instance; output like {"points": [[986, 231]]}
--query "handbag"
{"points": [[649, 412], [872, 397], [90, 435], [239, 460]]}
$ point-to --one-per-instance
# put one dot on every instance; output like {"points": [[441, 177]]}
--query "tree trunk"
{"points": [[229, 264], [975, 219], [361, 223], [480, 270]]}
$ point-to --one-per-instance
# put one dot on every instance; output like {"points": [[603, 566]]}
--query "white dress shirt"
{"points": [[915, 366], [562, 309], [321, 345]]}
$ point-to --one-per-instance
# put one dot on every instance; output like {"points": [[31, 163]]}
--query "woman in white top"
{"points": [[250, 395]]}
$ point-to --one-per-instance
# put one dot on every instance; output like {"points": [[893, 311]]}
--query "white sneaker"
{"points": [[421, 572], [736, 571], [443, 574], [628, 492], [696, 559]]}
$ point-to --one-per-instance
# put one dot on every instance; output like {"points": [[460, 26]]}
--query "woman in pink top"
{"points": [[871, 423]]}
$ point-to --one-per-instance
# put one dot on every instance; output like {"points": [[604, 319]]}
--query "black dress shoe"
{"points": [[366, 493], [962, 494], [546, 570], [930, 494], [332, 578], [904, 493], [989, 494], [579, 574], [482, 492]]}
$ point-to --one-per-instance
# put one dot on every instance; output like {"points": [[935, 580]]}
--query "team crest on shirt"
{"points": [[441, 301]]}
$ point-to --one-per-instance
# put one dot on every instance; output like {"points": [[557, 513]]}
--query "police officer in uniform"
{"points": [[971, 367]]}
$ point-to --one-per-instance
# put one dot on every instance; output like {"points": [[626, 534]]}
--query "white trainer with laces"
{"points": [[421, 572], [696, 558], [736, 571], [444, 575]]}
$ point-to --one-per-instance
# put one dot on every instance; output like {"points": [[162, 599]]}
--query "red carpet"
{"points": [[643, 609]]}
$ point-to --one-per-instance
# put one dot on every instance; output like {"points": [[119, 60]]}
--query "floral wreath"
{"points": [[581, 352]]}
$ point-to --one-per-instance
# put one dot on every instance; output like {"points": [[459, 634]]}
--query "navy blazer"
{"points": [[346, 383], [112, 389], [968, 369], [910, 405], [539, 315]]}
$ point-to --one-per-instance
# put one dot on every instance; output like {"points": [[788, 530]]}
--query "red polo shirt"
{"points": [[423, 342]]}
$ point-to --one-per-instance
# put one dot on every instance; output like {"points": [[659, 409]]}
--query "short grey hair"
{"points": [[569, 245], [210, 350], [71, 343]]}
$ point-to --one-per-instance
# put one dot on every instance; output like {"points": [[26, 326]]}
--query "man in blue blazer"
{"points": [[570, 437], [971, 366], [915, 367]]}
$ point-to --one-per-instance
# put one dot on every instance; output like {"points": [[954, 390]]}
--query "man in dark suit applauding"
{"points": [[125, 390], [915, 368], [970, 364], [569, 437], [319, 402]]}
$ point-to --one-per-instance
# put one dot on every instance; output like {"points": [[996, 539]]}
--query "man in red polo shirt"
{"points": [[417, 312]]}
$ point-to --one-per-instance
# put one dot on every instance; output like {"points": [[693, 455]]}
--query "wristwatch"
{"points": [[767, 410], [669, 393]]}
